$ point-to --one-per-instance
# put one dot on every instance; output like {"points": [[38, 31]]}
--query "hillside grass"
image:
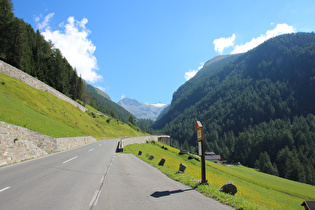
{"points": [[25, 106], [256, 190]]}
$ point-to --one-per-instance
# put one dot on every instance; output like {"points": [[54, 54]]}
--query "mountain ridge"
{"points": [[262, 97], [141, 110]]}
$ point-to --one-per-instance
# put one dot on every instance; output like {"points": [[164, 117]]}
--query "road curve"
{"points": [[65, 180], [94, 177], [134, 184]]}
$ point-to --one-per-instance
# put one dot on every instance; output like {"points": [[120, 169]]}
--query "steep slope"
{"points": [[141, 110], [103, 103], [195, 89], [256, 106], [28, 51], [25, 106]]}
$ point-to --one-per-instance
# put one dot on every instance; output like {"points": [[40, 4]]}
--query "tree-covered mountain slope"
{"points": [[257, 108], [102, 102], [27, 50], [194, 89]]}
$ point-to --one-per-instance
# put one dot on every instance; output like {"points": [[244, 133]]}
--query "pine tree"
{"points": [[6, 20]]}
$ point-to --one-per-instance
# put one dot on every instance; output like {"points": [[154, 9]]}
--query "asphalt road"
{"points": [[94, 177], [135, 185], [65, 180]]}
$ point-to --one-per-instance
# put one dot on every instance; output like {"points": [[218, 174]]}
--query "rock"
{"points": [[161, 163], [151, 157], [182, 168], [229, 188], [183, 152], [140, 153]]}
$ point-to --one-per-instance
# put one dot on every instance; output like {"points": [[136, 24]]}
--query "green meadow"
{"points": [[256, 190], [23, 105]]}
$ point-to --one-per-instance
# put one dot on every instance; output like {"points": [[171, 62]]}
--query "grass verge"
{"points": [[256, 190], [25, 106]]}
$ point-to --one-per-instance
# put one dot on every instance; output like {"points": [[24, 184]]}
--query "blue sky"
{"points": [[146, 49]]}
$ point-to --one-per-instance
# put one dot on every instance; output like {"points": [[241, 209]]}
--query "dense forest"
{"points": [[257, 108], [27, 50]]}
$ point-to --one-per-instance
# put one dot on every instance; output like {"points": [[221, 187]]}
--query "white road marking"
{"points": [[4, 189], [100, 145], [103, 179], [70, 159], [91, 149]]}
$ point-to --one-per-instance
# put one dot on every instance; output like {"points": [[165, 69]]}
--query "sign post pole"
{"points": [[201, 145]]}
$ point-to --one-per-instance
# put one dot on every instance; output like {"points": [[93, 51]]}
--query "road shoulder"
{"points": [[134, 184]]}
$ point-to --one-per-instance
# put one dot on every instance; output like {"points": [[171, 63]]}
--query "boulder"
{"points": [[161, 163], [182, 168], [229, 188]]}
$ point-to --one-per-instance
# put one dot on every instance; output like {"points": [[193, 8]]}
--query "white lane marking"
{"points": [[100, 145], [4, 189], [70, 159], [93, 198], [91, 149], [103, 179]]}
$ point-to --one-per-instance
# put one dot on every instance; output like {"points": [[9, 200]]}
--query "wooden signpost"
{"points": [[201, 149]]}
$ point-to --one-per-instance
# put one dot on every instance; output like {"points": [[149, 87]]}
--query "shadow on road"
{"points": [[158, 194]]}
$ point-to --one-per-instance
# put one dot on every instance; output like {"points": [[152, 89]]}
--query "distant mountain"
{"points": [[141, 110], [102, 102], [257, 108]]}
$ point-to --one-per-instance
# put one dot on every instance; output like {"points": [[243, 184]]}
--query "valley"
{"points": [[141, 110], [257, 108]]}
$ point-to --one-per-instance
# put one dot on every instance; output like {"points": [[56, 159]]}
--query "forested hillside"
{"points": [[105, 105], [257, 108], [27, 50]]}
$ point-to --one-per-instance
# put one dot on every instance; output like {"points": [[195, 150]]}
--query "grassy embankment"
{"points": [[23, 105], [256, 190]]}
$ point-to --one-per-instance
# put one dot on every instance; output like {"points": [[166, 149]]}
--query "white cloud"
{"points": [[221, 43], [74, 44], [122, 96], [200, 67], [280, 29], [191, 73], [44, 23]]}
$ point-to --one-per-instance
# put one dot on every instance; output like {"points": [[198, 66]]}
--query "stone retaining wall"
{"points": [[138, 140], [70, 143], [28, 79], [18, 143]]}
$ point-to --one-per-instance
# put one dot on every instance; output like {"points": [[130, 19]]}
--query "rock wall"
{"points": [[18, 74], [18, 143], [140, 140], [70, 143]]}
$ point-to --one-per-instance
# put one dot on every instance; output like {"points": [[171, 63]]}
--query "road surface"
{"points": [[94, 177]]}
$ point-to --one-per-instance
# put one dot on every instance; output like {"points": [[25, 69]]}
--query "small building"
{"points": [[224, 160], [164, 139], [212, 157]]}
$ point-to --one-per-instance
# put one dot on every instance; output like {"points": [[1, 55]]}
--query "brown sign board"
{"points": [[198, 125], [199, 129], [201, 150]]}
